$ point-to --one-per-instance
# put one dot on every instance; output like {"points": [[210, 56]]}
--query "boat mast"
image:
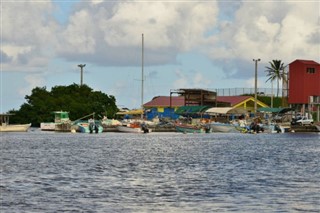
{"points": [[142, 75]]}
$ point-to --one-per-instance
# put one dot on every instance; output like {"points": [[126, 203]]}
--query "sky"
{"points": [[206, 44]]}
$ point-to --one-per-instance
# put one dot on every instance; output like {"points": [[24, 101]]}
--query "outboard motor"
{"points": [[96, 128], [277, 128], [144, 128], [92, 126]]}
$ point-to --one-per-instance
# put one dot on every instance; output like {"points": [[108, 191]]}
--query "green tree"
{"points": [[78, 100], [275, 72]]}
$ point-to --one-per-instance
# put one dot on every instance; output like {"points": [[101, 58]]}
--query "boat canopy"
{"points": [[4, 118], [225, 110], [191, 110]]}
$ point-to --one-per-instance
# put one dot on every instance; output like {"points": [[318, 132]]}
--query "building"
{"points": [[166, 106], [196, 97], [304, 85], [163, 107]]}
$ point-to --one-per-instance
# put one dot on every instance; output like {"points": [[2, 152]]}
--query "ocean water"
{"points": [[159, 172]]}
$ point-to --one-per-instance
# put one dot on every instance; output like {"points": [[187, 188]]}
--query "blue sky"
{"points": [[187, 44]]}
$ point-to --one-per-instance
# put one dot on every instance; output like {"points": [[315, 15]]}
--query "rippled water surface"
{"points": [[159, 172]]}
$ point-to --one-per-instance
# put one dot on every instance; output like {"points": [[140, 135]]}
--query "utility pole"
{"points": [[81, 75], [142, 75], [255, 84]]}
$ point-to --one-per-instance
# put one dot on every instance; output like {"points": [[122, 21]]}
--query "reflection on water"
{"points": [[159, 172]]}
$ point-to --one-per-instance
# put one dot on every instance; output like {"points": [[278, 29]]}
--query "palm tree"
{"points": [[275, 72]]}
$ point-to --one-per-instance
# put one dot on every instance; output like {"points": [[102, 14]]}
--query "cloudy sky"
{"points": [[187, 44]]}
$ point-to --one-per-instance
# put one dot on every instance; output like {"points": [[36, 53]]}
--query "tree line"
{"points": [[78, 100]]}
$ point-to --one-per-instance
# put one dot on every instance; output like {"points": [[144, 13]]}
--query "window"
{"points": [[311, 70]]}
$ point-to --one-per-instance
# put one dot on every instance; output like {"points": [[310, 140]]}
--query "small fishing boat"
{"points": [[87, 126], [188, 128], [6, 127], [222, 127], [61, 123], [90, 126], [318, 126], [135, 127]]}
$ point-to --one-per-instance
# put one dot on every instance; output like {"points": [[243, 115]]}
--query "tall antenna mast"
{"points": [[142, 75]]}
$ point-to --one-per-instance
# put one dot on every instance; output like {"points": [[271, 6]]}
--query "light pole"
{"points": [[255, 83], [142, 73], [81, 75]]}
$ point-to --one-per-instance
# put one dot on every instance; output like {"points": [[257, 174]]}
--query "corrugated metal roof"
{"points": [[191, 109], [306, 62], [276, 110], [164, 101]]}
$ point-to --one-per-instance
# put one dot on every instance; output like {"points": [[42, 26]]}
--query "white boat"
{"points": [[6, 127], [273, 128], [129, 129], [226, 111], [61, 123], [133, 128], [222, 127], [318, 126], [188, 128], [47, 126]]}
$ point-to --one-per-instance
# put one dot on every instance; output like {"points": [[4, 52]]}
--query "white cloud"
{"points": [[78, 37], [34, 80], [249, 83], [269, 31], [181, 81], [111, 33], [200, 81], [27, 35], [193, 79], [285, 31], [96, 1]]}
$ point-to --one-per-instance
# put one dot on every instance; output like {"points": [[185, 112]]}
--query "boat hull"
{"points": [[15, 128], [132, 129], [221, 127], [189, 129], [47, 126], [85, 128]]}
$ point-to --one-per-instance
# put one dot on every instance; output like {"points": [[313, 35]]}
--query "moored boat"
{"points": [[188, 128], [61, 123], [6, 127], [222, 127], [135, 127], [87, 127]]}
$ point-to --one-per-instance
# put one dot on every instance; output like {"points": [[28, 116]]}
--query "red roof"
{"points": [[306, 62], [164, 101], [233, 100]]}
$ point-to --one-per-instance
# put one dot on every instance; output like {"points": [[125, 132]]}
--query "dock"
{"points": [[306, 128]]}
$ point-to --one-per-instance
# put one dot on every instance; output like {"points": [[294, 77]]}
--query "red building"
{"points": [[304, 82]]}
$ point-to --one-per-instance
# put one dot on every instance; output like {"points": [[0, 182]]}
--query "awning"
{"points": [[274, 110], [191, 109], [225, 110]]}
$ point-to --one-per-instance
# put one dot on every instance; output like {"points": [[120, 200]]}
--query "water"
{"points": [[159, 172]]}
